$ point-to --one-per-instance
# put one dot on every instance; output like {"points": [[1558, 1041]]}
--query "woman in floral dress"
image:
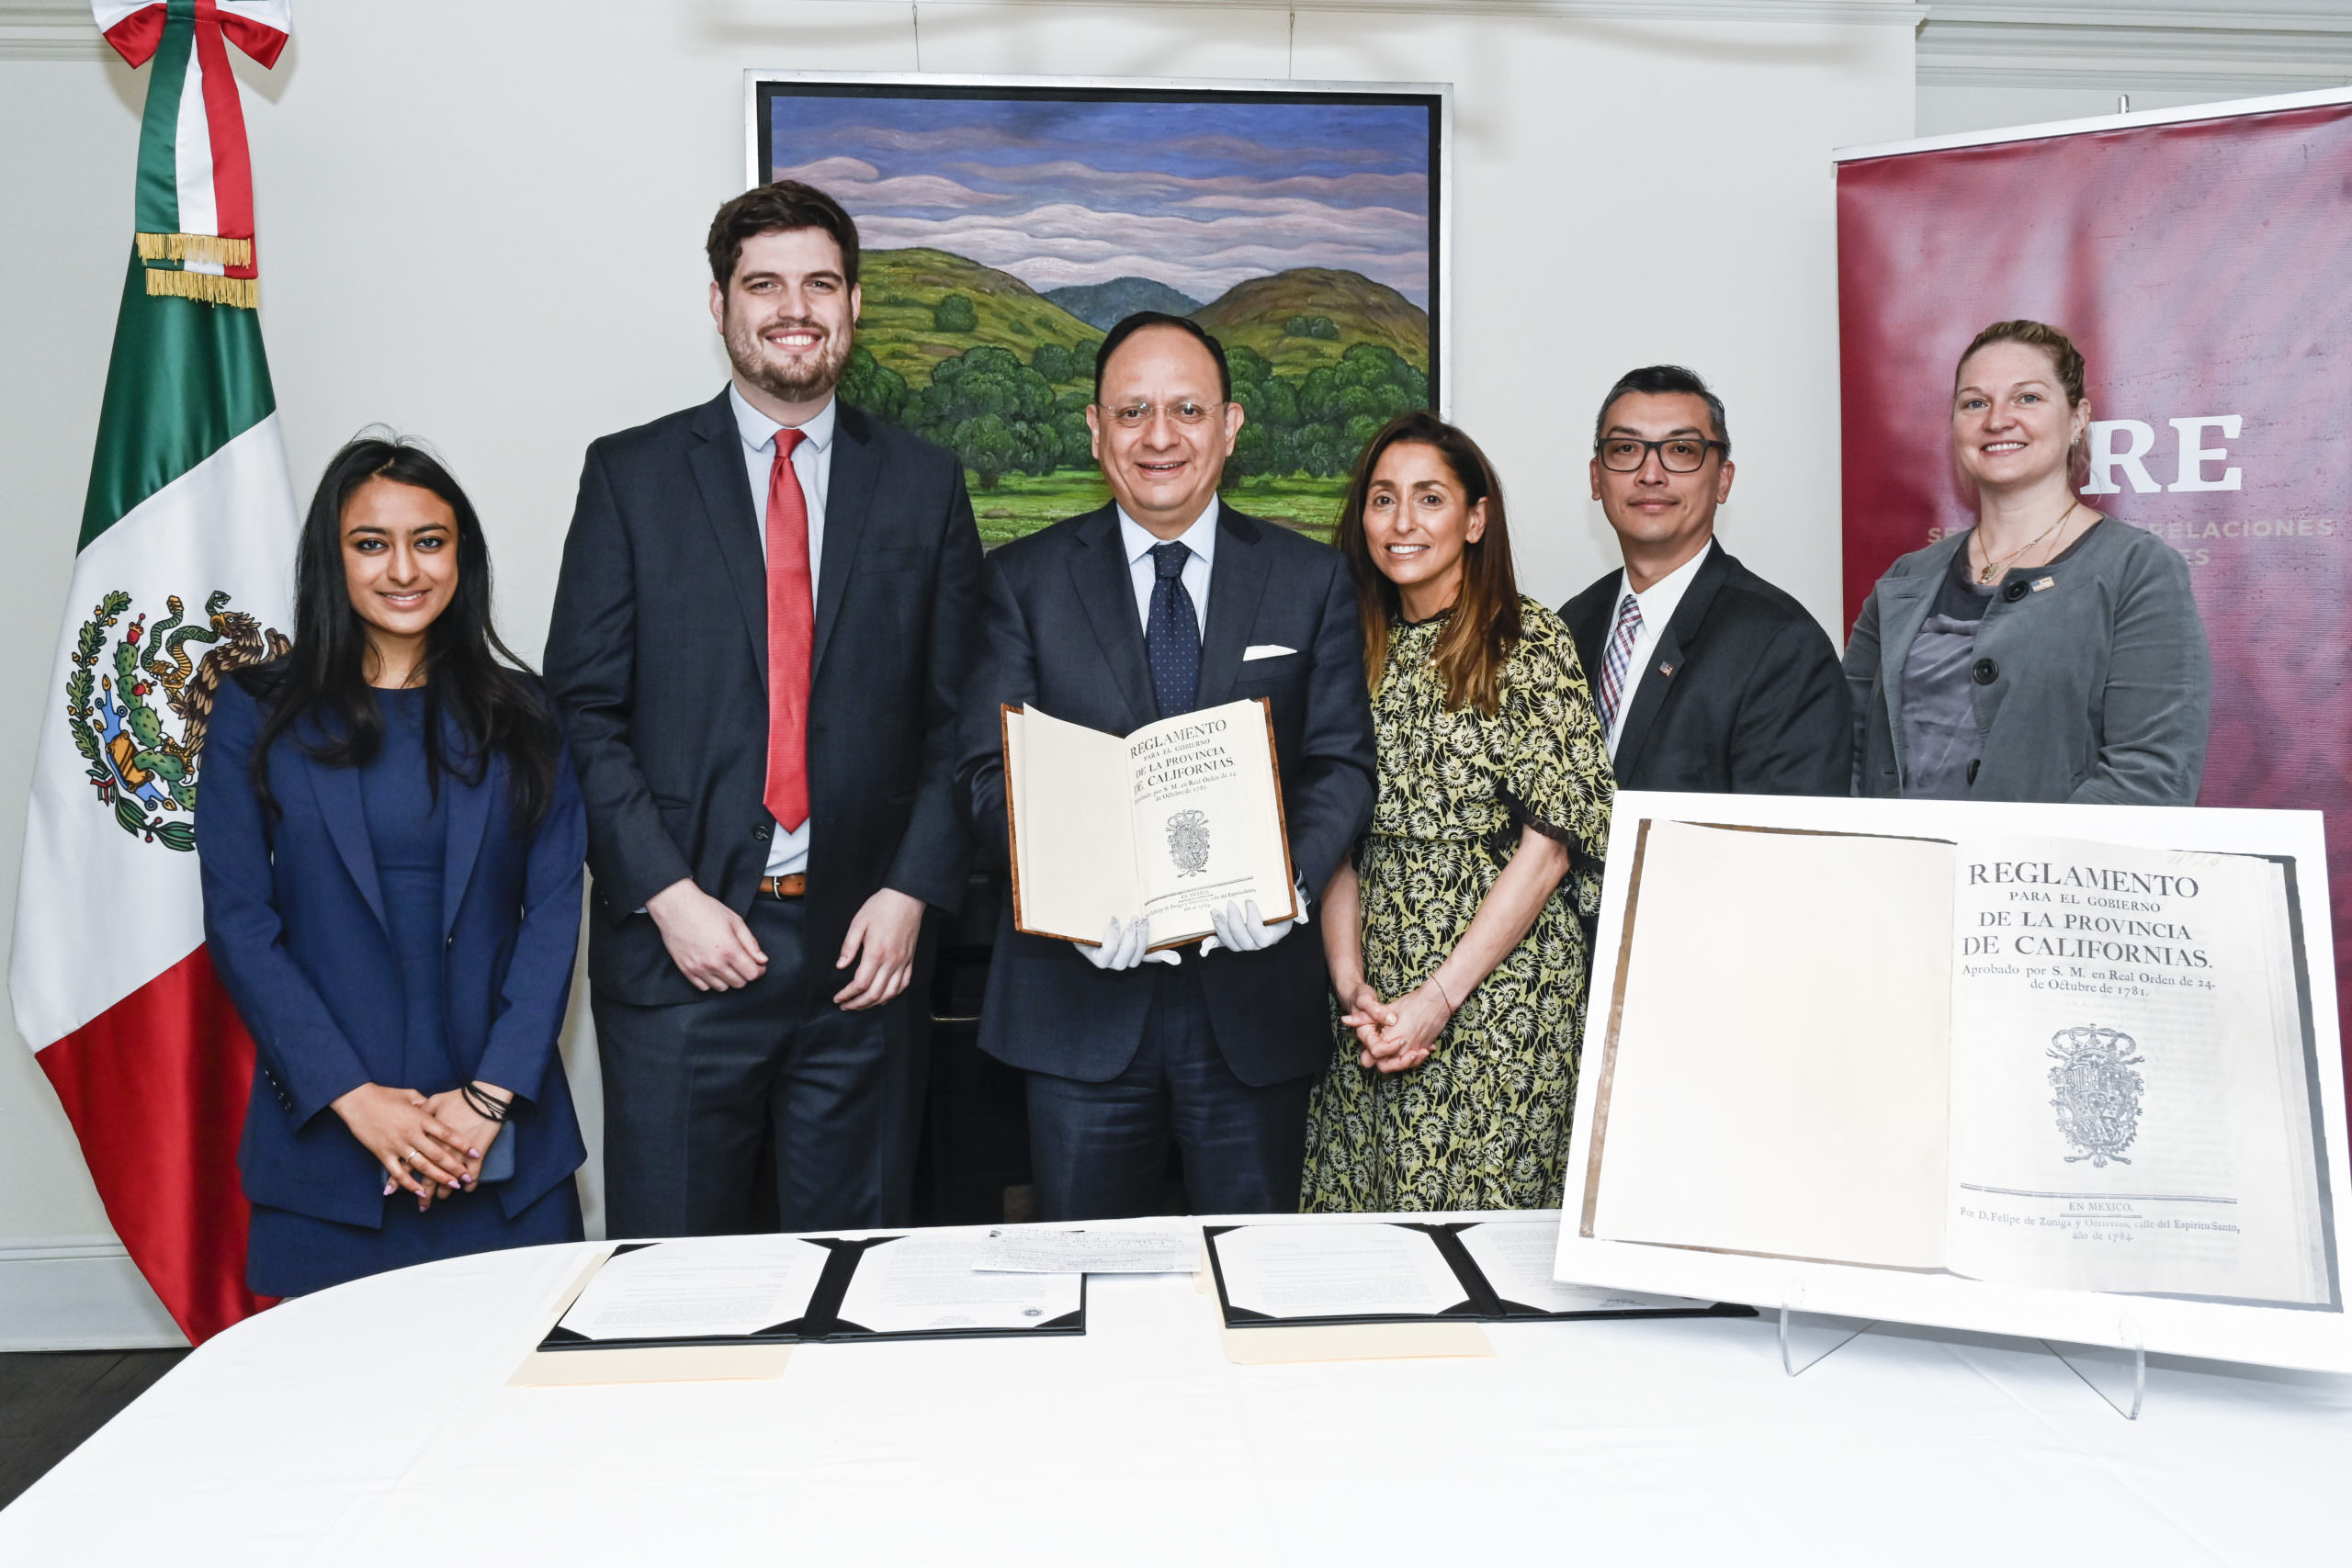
{"points": [[1454, 935]]}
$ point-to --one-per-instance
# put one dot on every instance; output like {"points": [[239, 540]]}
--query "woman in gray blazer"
{"points": [[2048, 653]]}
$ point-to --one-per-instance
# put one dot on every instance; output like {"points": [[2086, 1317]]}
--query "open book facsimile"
{"points": [[1181, 817], [2035, 1062]]}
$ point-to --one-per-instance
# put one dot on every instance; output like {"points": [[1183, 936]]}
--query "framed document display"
{"points": [[2069, 1072]]}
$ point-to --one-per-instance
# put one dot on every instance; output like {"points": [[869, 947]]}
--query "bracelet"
{"points": [[1450, 1005], [487, 1106]]}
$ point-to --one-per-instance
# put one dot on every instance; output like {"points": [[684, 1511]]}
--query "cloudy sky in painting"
{"points": [[1199, 195]]}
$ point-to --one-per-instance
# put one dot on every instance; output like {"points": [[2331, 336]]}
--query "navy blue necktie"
{"points": [[1172, 634]]}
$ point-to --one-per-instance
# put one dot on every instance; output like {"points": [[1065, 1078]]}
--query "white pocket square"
{"points": [[1264, 650]]}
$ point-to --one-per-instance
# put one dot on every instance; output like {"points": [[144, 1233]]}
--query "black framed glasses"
{"points": [[1676, 454]]}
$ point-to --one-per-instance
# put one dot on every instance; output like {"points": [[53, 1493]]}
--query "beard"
{"points": [[812, 379]]}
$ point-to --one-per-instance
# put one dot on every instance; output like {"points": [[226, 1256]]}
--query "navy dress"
{"points": [[408, 821]]}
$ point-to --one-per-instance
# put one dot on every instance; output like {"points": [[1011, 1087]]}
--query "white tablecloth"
{"points": [[372, 1424]]}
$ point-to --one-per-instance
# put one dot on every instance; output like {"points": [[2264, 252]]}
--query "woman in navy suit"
{"points": [[391, 841]]}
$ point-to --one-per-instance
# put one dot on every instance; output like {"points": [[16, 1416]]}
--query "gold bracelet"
{"points": [[1451, 1006]]}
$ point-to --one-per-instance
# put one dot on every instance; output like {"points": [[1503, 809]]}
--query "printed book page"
{"points": [[1073, 845], [1778, 1078], [2132, 1106], [1208, 826]]}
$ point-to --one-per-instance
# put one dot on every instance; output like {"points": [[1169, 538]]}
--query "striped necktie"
{"points": [[1617, 659]]}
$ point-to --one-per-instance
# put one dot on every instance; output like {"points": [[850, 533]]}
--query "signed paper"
{"points": [[1371, 1269], [1516, 1256], [698, 1288], [929, 1282]]}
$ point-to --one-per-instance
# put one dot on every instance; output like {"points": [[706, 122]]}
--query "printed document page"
{"points": [[2132, 1108], [929, 1281], [704, 1286], [1361, 1270], [1779, 1077], [1208, 826], [1516, 1256], [1073, 846], [1104, 1249]]}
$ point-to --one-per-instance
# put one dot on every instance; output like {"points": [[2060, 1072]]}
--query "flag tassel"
{"points": [[208, 286], [216, 249]]}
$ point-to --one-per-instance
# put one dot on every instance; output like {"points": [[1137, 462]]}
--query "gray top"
{"points": [[2088, 678]]}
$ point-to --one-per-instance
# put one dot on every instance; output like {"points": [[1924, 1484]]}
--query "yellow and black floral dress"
{"points": [[1483, 1123]]}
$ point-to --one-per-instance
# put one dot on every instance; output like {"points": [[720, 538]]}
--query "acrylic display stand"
{"points": [[2117, 1373]]}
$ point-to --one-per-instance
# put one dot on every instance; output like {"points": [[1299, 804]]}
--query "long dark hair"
{"points": [[1477, 643], [469, 673]]}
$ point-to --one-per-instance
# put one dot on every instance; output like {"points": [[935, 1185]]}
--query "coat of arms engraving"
{"points": [[1188, 842], [2096, 1092], [122, 722]]}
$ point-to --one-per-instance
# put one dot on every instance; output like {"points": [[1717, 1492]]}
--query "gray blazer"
{"points": [[2095, 690]]}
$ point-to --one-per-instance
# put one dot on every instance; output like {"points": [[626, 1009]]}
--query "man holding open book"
{"points": [[1163, 604]]}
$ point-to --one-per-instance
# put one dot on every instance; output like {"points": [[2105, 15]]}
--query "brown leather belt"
{"points": [[794, 886]]}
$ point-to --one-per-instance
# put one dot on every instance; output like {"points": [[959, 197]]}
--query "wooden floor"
{"points": [[49, 1403]]}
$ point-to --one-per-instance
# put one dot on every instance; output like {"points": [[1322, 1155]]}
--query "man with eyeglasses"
{"points": [[1162, 603], [1706, 676]]}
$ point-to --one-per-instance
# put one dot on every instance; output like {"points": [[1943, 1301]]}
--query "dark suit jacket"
{"points": [[1742, 695], [294, 923], [658, 656], [1060, 630]]}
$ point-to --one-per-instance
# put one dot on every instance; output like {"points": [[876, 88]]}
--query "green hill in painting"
{"points": [[903, 327], [1266, 315]]}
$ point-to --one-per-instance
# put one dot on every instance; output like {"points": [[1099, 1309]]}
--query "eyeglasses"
{"points": [[1676, 454], [1134, 416]]}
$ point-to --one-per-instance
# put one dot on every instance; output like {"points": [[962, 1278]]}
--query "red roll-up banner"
{"points": [[2204, 266]]}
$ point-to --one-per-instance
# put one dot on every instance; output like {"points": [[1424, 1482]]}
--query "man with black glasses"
{"points": [[1707, 677]]}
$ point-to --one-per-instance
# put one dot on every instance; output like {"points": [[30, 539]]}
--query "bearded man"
{"points": [[760, 629]]}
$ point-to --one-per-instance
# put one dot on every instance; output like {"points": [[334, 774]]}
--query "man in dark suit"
{"points": [[760, 634], [1707, 677], [1160, 604]]}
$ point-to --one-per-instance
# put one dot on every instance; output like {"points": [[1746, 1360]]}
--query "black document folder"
{"points": [[1481, 1302], [822, 1320]]}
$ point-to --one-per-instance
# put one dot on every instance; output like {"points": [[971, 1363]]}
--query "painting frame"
{"points": [[1418, 121]]}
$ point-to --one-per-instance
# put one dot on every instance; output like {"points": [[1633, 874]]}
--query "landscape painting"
{"points": [[1007, 226]]}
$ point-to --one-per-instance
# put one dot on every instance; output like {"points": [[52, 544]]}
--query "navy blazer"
{"points": [[1059, 629], [294, 921], [659, 657]]}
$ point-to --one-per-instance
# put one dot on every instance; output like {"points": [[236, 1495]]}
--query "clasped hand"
{"points": [[432, 1146], [1396, 1036]]}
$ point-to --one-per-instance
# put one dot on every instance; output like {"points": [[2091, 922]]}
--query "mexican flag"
{"points": [[183, 574]]}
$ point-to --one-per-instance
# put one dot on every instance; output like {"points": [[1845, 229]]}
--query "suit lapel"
{"points": [[1667, 655], [469, 815], [1098, 570], [717, 459], [337, 790], [1591, 632], [1903, 607], [849, 494], [1237, 582]]}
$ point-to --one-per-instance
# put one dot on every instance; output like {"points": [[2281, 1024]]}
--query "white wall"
{"points": [[482, 224]]}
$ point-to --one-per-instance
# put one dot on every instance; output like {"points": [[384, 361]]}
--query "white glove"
{"points": [[1242, 929], [1124, 949]]}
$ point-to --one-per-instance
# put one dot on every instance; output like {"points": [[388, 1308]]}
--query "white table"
{"points": [[372, 1424]]}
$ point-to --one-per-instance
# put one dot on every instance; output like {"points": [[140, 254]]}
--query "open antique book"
{"points": [[2031, 1061], [1169, 823]]}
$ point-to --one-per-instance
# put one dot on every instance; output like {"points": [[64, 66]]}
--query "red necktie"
{"points": [[792, 635]]}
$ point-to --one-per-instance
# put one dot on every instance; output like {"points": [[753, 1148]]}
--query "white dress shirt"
{"points": [[1199, 536], [812, 464], [1659, 603]]}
